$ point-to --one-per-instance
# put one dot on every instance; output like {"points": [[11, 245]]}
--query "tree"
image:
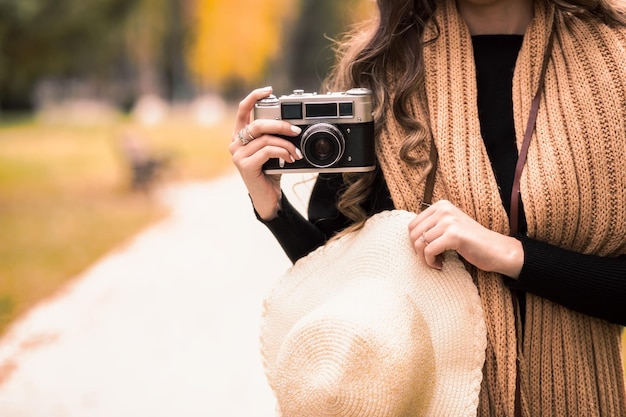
{"points": [[167, 47], [233, 41], [309, 53], [239, 45], [57, 38]]}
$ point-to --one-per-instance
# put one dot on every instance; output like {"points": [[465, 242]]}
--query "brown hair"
{"points": [[385, 55]]}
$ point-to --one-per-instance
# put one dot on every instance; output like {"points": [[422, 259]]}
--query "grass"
{"points": [[65, 199]]}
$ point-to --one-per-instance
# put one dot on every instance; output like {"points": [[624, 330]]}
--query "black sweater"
{"points": [[588, 284]]}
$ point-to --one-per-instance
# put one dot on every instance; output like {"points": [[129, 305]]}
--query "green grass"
{"points": [[65, 199]]}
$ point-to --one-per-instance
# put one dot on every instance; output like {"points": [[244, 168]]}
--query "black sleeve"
{"points": [[589, 284], [299, 236], [295, 234]]}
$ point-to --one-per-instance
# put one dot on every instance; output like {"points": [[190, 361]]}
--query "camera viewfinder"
{"points": [[291, 111], [345, 110], [320, 110]]}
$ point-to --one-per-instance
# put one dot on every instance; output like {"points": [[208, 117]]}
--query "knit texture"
{"points": [[573, 188], [362, 327]]}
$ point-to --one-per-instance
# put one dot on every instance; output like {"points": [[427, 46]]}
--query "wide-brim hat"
{"points": [[362, 327]]}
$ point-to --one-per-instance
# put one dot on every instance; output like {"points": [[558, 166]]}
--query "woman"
{"points": [[462, 75]]}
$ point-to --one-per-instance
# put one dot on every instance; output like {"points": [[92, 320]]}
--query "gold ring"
{"points": [[247, 129]]}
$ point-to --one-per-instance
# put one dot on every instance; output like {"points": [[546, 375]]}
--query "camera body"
{"points": [[337, 130]]}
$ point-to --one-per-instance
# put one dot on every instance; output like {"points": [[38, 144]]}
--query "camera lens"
{"points": [[322, 145], [322, 148]]}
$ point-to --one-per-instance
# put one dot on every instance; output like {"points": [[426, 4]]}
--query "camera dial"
{"points": [[359, 91], [322, 145], [270, 100]]}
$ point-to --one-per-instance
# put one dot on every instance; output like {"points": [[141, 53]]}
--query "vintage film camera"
{"points": [[337, 130]]}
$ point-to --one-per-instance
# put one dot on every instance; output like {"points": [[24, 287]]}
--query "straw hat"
{"points": [[361, 327]]}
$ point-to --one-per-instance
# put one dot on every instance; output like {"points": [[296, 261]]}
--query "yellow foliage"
{"points": [[233, 40]]}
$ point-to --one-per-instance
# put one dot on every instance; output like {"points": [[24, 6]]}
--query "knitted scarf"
{"points": [[573, 188]]}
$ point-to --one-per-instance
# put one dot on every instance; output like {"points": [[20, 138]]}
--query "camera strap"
{"points": [[530, 127], [430, 179]]}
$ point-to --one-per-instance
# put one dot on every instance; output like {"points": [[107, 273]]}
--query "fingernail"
{"points": [[292, 159], [268, 88], [295, 129], [439, 261], [300, 156], [281, 162]]}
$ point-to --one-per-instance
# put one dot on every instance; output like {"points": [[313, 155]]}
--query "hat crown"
{"points": [[356, 355]]}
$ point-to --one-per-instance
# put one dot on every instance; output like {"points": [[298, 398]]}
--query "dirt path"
{"points": [[165, 326]]}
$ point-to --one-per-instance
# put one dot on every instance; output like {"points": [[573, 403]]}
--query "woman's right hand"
{"points": [[258, 145]]}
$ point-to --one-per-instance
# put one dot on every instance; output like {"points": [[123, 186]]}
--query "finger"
{"points": [[250, 159], [419, 229], [247, 104], [427, 242], [433, 253], [421, 219], [438, 240], [252, 165], [259, 143], [262, 127], [416, 238]]}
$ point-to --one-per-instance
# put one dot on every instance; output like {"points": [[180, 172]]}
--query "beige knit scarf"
{"points": [[574, 192]]}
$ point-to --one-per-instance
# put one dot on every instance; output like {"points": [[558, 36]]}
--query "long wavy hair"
{"points": [[385, 54]]}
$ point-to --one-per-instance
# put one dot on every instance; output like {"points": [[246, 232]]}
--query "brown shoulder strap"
{"points": [[430, 179], [530, 126]]}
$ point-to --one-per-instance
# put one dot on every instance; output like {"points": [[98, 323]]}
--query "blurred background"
{"points": [[102, 101], [105, 103], [122, 290]]}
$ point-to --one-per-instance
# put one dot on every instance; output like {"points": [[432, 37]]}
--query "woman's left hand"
{"points": [[443, 227]]}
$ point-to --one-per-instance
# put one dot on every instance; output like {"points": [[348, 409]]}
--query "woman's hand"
{"points": [[443, 226], [253, 144]]}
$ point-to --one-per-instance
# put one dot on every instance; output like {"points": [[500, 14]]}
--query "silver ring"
{"points": [[247, 129], [242, 139], [424, 241]]}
